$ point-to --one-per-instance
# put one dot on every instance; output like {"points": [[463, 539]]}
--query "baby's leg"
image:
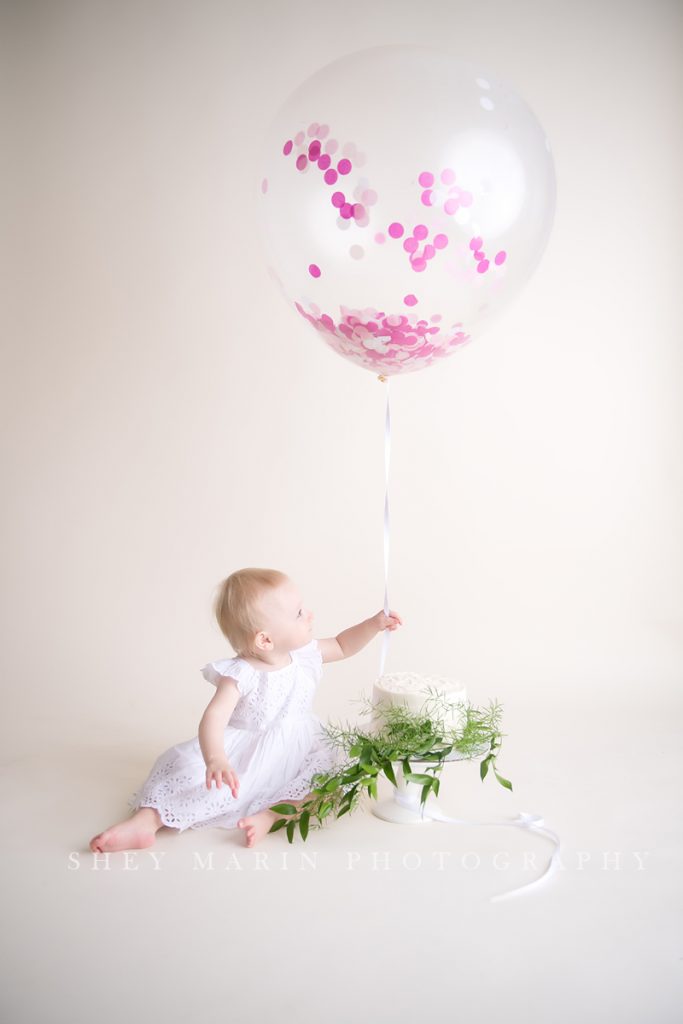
{"points": [[135, 833], [258, 825]]}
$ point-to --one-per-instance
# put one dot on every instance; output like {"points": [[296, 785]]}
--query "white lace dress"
{"points": [[273, 741]]}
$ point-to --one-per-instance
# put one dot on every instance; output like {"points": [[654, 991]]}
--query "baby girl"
{"points": [[258, 741]]}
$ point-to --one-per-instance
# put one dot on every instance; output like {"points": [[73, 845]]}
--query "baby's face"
{"points": [[286, 620]]}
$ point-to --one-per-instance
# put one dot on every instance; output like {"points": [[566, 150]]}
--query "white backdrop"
{"points": [[167, 419]]}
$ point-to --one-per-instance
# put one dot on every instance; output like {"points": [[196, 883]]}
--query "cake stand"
{"points": [[403, 807]]}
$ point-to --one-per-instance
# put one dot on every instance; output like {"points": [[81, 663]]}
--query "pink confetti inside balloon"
{"points": [[436, 183]]}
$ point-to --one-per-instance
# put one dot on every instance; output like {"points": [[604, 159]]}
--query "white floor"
{"points": [[366, 919]]}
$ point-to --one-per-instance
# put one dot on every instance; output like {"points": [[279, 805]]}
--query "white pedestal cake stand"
{"points": [[403, 807]]}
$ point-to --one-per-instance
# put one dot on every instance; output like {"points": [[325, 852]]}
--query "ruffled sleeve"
{"points": [[311, 658], [234, 668]]}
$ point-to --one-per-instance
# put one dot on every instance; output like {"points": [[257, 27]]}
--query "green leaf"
{"points": [[503, 782], [372, 790], [339, 814], [437, 783], [483, 768], [355, 750], [417, 777], [280, 823], [425, 792], [332, 785], [389, 772], [406, 767], [303, 824], [284, 808], [291, 825]]}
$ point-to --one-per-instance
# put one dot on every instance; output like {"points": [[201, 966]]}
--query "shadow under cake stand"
{"points": [[403, 807]]}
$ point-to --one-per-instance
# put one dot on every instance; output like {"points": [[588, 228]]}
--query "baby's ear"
{"points": [[263, 642]]}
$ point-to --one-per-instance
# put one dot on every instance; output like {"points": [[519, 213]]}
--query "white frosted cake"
{"points": [[445, 699]]}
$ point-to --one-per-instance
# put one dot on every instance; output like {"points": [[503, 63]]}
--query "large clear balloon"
{"points": [[406, 198]]}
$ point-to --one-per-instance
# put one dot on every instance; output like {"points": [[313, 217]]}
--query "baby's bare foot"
{"points": [[257, 825], [136, 833]]}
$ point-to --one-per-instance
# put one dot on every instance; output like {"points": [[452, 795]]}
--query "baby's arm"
{"points": [[354, 639], [211, 730]]}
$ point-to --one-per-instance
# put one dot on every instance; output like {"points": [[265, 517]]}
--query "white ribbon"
{"points": [[532, 822], [387, 454]]}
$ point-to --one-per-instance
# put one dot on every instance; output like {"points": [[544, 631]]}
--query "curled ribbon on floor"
{"points": [[531, 822]]}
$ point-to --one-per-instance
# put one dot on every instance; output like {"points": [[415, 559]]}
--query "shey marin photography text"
{"points": [[588, 861]]}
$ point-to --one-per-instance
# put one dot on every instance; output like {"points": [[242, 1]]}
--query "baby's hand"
{"points": [[391, 621], [219, 768]]}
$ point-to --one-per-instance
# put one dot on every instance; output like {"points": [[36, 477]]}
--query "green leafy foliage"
{"points": [[398, 736]]}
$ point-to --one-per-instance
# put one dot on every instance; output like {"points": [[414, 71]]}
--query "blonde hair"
{"points": [[234, 605]]}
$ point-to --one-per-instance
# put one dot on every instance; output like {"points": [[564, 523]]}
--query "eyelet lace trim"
{"points": [[178, 790], [184, 803]]}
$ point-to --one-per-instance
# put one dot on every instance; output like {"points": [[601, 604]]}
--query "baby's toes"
{"points": [[98, 843]]}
